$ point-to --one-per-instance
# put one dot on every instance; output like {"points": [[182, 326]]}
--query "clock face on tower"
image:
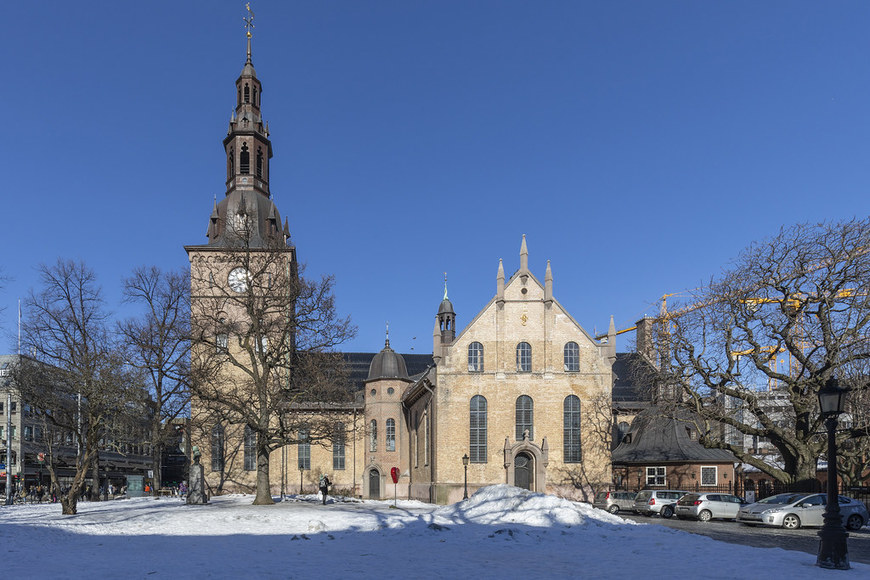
{"points": [[238, 279]]}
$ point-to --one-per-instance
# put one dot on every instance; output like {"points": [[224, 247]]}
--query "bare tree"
{"points": [[599, 419], [78, 381], [262, 360], [803, 297], [159, 344]]}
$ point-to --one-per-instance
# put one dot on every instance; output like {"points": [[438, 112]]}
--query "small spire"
{"points": [[548, 283], [612, 328], [249, 24], [387, 343], [499, 287], [445, 286], [524, 256]]}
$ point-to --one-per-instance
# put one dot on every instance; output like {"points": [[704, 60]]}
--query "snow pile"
{"points": [[501, 532], [506, 504]]}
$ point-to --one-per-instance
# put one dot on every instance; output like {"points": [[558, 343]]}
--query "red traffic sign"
{"points": [[40, 457], [394, 473]]}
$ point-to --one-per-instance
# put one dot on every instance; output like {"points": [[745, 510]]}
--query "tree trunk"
{"points": [[264, 491]]}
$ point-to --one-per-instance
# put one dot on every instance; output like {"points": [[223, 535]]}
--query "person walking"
{"points": [[324, 486]]}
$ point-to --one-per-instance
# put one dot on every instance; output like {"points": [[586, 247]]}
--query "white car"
{"points": [[794, 510]]}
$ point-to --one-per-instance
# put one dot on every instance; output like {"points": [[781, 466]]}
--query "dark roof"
{"points": [[627, 387], [360, 362], [656, 437]]}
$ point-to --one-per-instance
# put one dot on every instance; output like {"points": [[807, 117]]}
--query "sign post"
{"points": [[394, 473]]}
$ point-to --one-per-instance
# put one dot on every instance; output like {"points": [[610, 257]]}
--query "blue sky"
{"points": [[638, 145]]}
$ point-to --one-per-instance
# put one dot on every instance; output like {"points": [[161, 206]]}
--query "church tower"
{"points": [[243, 280]]}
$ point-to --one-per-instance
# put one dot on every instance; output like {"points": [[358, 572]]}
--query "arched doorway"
{"points": [[523, 470], [374, 484]]}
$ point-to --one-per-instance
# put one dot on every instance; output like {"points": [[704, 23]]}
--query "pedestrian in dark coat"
{"points": [[324, 486]]}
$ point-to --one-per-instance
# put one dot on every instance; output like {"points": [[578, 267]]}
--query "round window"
{"points": [[391, 390], [373, 393]]}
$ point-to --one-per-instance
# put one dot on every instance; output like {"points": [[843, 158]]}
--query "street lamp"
{"points": [[833, 552], [465, 464]]}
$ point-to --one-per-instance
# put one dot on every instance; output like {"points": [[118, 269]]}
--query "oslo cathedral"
{"points": [[521, 395]]}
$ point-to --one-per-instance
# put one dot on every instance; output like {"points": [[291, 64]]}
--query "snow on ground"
{"points": [[500, 532]]}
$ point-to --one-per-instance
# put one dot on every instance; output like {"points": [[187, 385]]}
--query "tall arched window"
{"points": [[477, 430], [259, 162], [250, 449], [524, 357], [245, 160], [304, 450], [475, 357], [373, 436], [391, 435], [247, 93], [571, 430], [256, 104], [217, 448], [338, 447], [231, 164], [572, 357], [525, 417]]}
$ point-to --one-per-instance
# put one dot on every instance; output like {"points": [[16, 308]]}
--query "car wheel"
{"points": [[791, 522], [667, 511], [705, 516], [854, 522], [614, 509]]}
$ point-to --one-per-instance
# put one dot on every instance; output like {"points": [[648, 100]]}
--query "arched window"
{"points": [[391, 435], [426, 437], [250, 449], [622, 431], [231, 164], [572, 357], [245, 160], [571, 430], [222, 339], [524, 357], [217, 448], [373, 436], [259, 162], [338, 447], [247, 93], [256, 104], [525, 417], [475, 357], [477, 430]]}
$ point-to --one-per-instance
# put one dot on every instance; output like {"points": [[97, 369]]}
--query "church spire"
{"points": [[248, 211]]}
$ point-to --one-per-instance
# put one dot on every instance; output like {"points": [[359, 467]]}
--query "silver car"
{"points": [[649, 502], [614, 501], [793, 510], [706, 506]]}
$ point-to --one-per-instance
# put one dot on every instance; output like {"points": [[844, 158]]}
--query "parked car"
{"points": [[649, 502], [706, 506], [614, 501], [793, 510]]}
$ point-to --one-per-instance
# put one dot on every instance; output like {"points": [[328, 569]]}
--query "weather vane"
{"points": [[249, 21], [249, 24]]}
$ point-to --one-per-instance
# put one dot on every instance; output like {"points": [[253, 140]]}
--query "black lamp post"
{"points": [[465, 464], [833, 552]]}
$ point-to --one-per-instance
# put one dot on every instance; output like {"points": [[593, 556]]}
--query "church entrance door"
{"points": [[374, 484], [523, 471]]}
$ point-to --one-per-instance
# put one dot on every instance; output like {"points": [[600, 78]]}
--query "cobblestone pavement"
{"points": [[803, 540]]}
